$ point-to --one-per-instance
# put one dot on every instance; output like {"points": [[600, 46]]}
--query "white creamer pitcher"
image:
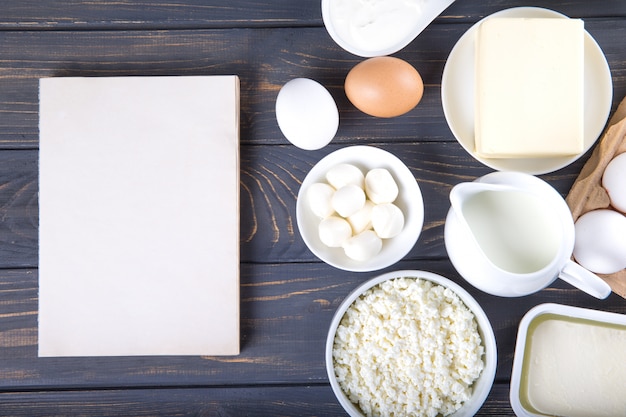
{"points": [[512, 234]]}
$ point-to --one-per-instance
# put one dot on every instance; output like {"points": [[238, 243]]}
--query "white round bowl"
{"points": [[409, 201], [386, 39], [481, 387]]}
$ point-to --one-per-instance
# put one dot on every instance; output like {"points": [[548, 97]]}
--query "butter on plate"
{"points": [[529, 87]]}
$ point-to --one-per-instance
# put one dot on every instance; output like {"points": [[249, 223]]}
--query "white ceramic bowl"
{"points": [[409, 201], [482, 386], [385, 39]]}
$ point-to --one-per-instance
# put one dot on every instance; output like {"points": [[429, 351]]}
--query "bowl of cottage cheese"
{"points": [[410, 343]]}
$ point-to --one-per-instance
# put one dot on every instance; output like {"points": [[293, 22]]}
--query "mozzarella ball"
{"points": [[345, 174], [319, 196], [334, 231], [348, 200], [380, 186], [362, 219], [363, 246], [387, 220], [614, 181], [600, 244]]}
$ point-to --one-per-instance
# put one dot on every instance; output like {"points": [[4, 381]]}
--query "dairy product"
{"points": [[529, 87], [380, 186], [387, 220], [408, 347], [371, 25], [334, 231], [319, 196], [574, 367], [345, 174], [362, 219], [363, 246], [355, 210], [348, 200]]}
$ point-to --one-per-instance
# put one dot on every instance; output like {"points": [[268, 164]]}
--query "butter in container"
{"points": [[569, 361], [378, 27]]}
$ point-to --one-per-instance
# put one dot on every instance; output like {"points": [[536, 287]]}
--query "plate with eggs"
{"points": [[360, 209]]}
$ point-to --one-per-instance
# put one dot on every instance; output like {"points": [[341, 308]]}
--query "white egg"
{"points": [[380, 186], [319, 196], [363, 246], [348, 200], [334, 231], [345, 174], [306, 114], [614, 181], [600, 244], [362, 219], [387, 220]]}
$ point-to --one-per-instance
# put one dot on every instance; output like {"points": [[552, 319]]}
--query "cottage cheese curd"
{"points": [[408, 347]]}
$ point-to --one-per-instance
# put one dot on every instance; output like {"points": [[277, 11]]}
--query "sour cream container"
{"points": [[569, 361], [371, 28]]}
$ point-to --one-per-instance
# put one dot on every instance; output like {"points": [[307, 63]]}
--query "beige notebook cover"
{"points": [[139, 216]]}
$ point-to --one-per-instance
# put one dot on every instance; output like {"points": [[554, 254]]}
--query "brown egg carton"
{"points": [[587, 192]]}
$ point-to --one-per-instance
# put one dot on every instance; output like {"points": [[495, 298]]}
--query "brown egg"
{"points": [[384, 86]]}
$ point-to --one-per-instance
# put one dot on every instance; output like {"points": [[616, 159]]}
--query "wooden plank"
{"points": [[80, 14], [265, 59], [270, 181], [271, 232], [276, 401], [285, 313]]}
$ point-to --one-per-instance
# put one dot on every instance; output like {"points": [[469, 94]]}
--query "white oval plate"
{"points": [[409, 201], [457, 96]]}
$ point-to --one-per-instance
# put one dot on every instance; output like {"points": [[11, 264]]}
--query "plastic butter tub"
{"points": [[569, 361]]}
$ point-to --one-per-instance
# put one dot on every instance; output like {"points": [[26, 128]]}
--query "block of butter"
{"points": [[529, 87]]}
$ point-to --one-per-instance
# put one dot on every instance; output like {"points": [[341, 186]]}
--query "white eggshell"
{"points": [[306, 114], [363, 246], [362, 219], [387, 220], [348, 200], [614, 181], [345, 174], [600, 244], [319, 196], [334, 231], [380, 186]]}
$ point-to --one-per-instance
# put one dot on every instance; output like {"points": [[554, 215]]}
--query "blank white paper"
{"points": [[139, 216]]}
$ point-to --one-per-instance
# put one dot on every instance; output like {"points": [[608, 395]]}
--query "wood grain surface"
{"points": [[288, 297]]}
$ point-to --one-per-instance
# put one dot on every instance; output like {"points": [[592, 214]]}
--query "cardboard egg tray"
{"points": [[587, 192]]}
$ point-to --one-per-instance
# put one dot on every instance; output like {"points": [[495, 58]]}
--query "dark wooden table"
{"points": [[287, 295]]}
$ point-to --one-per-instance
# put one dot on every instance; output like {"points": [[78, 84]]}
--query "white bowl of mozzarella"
{"points": [[410, 343], [360, 209]]}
